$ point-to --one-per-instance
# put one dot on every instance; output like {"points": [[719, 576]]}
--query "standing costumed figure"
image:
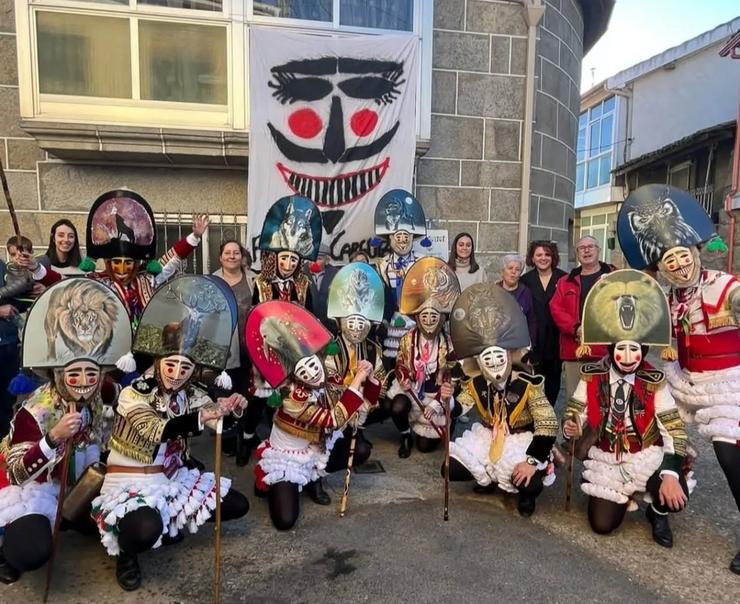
{"points": [[420, 391], [74, 330], [400, 217], [121, 230], [283, 340], [633, 441], [510, 449], [290, 234], [153, 489], [663, 227], [356, 300]]}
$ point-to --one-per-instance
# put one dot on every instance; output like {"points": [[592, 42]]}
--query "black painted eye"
{"points": [[289, 89], [381, 89]]}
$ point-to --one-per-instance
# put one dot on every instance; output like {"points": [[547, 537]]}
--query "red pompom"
{"points": [[315, 267]]}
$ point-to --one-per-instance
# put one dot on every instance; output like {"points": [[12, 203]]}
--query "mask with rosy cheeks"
{"points": [[310, 371], [78, 382], [287, 262], [627, 356], [174, 372], [495, 365], [681, 266], [354, 328], [429, 322], [401, 242], [122, 270]]}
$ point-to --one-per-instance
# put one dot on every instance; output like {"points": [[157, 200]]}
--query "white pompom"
{"points": [[126, 363], [224, 381]]}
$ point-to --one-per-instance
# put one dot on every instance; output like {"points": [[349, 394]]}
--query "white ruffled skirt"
{"points": [[186, 500], [472, 450], [709, 398], [31, 498]]}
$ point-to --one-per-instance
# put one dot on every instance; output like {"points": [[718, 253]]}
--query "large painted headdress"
{"points": [[356, 290], [487, 315], [430, 283], [656, 218], [626, 305], [121, 224], [279, 334], [74, 320], [191, 315], [399, 210], [292, 224]]}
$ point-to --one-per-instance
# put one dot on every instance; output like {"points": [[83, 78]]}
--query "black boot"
{"points": [[526, 505], [8, 574], [735, 564], [406, 443], [662, 534], [128, 573], [488, 489], [244, 448], [259, 493], [317, 493], [167, 540]]}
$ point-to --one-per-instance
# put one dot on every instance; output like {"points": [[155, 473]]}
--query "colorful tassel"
{"points": [[223, 380], [583, 351], [399, 322], [375, 242], [153, 267], [717, 245], [21, 384], [126, 363], [426, 242], [274, 400], [332, 348], [87, 265], [668, 354]]}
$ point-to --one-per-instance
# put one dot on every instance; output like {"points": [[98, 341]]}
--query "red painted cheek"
{"points": [[618, 357], [72, 381], [305, 123], [637, 357], [92, 381], [363, 122]]}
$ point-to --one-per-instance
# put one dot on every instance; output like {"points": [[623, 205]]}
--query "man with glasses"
{"points": [[566, 308]]}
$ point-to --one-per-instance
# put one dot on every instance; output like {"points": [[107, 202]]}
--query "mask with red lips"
{"points": [[627, 356]]}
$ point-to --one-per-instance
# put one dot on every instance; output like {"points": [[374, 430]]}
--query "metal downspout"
{"points": [[733, 191]]}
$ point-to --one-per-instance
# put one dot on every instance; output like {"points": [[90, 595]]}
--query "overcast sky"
{"points": [[640, 29]]}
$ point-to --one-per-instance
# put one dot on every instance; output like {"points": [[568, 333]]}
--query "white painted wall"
{"points": [[702, 91]]}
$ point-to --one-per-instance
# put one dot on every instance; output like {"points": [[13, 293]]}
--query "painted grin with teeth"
{"points": [[338, 190]]}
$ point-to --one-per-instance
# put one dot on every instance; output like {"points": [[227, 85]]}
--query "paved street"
{"points": [[394, 546]]}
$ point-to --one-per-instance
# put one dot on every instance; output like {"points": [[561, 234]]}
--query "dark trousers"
{"points": [[551, 370]]}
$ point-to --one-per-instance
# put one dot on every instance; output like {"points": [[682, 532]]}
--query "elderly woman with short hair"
{"points": [[512, 267]]}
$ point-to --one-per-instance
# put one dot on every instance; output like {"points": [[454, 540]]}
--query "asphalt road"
{"points": [[393, 546]]}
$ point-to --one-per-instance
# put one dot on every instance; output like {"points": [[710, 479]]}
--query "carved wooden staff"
{"points": [[569, 475], [217, 547], [68, 447], [348, 473], [9, 201], [415, 398]]}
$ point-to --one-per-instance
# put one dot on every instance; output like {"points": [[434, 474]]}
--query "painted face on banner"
{"points": [[310, 371]]}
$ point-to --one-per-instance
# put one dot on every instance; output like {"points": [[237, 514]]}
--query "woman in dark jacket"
{"points": [[543, 257]]}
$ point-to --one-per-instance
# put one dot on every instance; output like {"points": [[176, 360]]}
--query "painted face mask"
{"points": [[175, 372], [78, 381], [627, 356], [123, 270], [310, 371], [401, 242], [681, 266], [429, 321], [354, 328], [494, 363], [287, 262]]}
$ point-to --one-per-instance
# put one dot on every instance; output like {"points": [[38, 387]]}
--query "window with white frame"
{"points": [[594, 148], [176, 63]]}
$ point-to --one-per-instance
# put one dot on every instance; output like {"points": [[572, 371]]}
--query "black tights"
{"points": [[139, 530], [728, 456], [605, 516], [459, 473], [27, 542], [340, 452]]}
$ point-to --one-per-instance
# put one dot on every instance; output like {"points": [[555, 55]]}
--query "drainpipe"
{"points": [[733, 191], [533, 11]]}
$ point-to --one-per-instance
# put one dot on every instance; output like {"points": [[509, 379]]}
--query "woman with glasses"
{"points": [[543, 257]]}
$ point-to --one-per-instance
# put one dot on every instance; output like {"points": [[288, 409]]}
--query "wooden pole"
{"points": [[9, 201], [569, 475], [217, 547], [448, 420], [68, 446], [348, 473]]}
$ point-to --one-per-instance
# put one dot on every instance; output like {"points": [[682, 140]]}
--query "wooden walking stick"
{"points": [[569, 475], [68, 447], [9, 201], [217, 547], [448, 420], [348, 472]]}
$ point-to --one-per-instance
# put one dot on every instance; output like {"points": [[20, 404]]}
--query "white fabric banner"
{"points": [[332, 119]]}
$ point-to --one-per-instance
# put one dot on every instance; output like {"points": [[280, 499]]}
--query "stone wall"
{"points": [[470, 180]]}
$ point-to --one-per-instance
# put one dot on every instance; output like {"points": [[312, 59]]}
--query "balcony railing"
{"points": [[705, 196]]}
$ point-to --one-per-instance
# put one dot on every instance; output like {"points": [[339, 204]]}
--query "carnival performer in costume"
{"points": [[419, 392], [663, 227], [153, 489], [399, 217], [74, 330], [284, 340], [356, 299], [121, 230], [290, 234], [633, 441], [511, 448]]}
